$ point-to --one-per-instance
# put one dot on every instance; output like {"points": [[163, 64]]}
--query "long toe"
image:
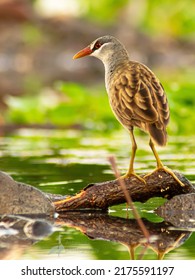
{"points": [[132, 174], [167, 170]]}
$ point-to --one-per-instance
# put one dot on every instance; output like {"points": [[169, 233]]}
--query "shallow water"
{"points": [[63, 162]]}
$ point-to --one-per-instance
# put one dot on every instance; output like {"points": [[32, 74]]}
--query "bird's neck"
{"points": [[114, 62]]}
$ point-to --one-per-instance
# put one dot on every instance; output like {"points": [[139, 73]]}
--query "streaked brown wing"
{"points": [[157, 93], [132, 96], [138, 99], [143, 106]]}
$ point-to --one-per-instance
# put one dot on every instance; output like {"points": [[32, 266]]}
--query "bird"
{"points": [[136, 96]]}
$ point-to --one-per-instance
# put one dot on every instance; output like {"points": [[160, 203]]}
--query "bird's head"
{"points": [[103, 48]]}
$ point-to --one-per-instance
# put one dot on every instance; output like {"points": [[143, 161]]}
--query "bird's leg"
{"points": [[160, 165], [130, 171], [133, 152], [158, 161]]}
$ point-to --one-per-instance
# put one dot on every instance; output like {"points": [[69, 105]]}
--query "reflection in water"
{"points": [[126, 231], [17, 233]]}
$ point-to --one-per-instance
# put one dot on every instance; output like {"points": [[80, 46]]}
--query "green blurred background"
{"points": [[40, 84]]}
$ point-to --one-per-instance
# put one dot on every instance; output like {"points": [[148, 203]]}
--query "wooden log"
{"points": [[100, 196]]}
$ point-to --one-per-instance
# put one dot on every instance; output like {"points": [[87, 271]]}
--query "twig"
{"points": [[128, 198]]}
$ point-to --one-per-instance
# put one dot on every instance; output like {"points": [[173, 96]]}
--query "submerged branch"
{"points": [[100, 196]]}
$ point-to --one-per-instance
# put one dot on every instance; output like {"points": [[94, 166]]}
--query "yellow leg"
{"points": [[158, 161], [133, 152], [130, 171], [160, 166]]}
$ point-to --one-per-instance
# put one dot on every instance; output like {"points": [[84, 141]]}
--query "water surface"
{"points": [[63, 162]]}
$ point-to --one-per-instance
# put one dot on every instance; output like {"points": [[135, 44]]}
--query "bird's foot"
{"points": [[132, 174], [167, 170]]}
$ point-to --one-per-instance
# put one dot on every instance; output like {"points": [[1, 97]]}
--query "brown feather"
{"points": [[138, 99]]}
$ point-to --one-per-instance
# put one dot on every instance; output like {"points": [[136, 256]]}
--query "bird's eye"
{"points": [[97, 46]]}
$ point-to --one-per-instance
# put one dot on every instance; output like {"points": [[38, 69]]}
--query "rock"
{"points": [[179, 211], [20, 198]]}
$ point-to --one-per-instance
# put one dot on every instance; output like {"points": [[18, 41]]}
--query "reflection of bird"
{"points": [[136, 96]]}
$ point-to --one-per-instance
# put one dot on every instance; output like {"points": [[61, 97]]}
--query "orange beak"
{"points": [[84, 52]]}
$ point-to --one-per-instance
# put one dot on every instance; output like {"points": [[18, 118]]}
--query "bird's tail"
{"points": [[158, 134]]}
